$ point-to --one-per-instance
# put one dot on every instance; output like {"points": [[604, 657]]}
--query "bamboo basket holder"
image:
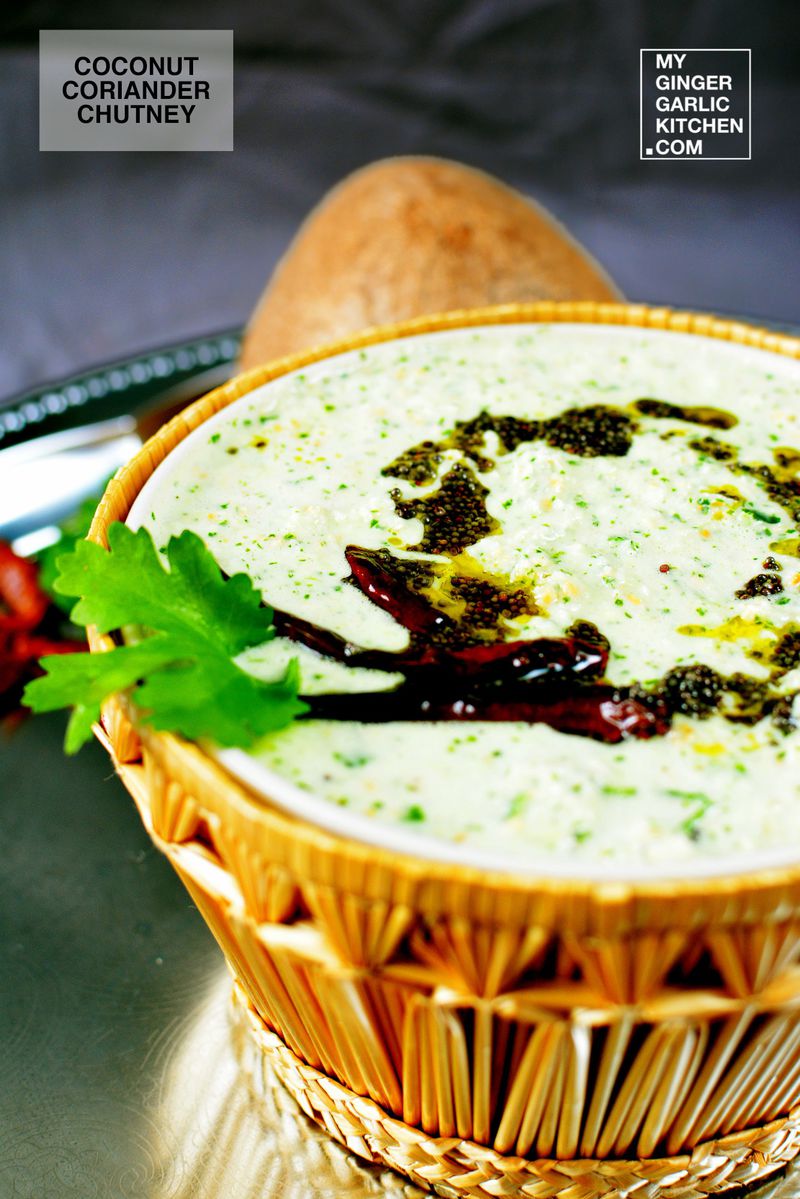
{"points": [[487, 1034]]}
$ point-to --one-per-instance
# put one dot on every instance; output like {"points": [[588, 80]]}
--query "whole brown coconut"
{"points": [[408, 236]]}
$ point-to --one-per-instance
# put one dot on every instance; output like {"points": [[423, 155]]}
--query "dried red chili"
{"points": [[20, 594], [29, 627]]}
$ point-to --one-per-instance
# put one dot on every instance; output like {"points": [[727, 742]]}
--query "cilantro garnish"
{"points": [[71, 531], [181, 674]]}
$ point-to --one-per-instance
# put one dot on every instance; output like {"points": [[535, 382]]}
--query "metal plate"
{"points": [[119, 1075], [113, 388]]}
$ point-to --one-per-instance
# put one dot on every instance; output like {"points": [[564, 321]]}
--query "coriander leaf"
{"points": [[183, 676], [71, 531], [83, 681], [227, 704], [129, 585]]}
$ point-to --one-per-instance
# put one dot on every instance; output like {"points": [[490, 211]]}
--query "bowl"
{"points": [[487, 1031]]}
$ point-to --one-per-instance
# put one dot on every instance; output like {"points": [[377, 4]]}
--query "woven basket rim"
{"points": [[124, 487]]}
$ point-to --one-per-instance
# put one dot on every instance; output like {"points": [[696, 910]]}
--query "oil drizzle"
{"points": [[714, 418], [598, 430], [780, 481], [464, 659], [454, 516], [592, 432], [453, 604]]}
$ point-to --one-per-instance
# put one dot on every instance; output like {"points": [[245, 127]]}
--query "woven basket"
{"points": [[488, 1034]]}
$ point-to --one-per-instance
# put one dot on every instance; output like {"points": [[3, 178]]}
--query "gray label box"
{"points": [[136, 89]]}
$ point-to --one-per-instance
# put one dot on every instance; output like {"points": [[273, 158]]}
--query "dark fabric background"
{"points": [[105, 254]]}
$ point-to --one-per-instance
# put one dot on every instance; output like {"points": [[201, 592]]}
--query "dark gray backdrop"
{"points": [[104, 254]]}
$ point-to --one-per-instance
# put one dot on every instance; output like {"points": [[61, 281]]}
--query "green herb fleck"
{"points": [[757, 514], [414, 814], [352, 761]]}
